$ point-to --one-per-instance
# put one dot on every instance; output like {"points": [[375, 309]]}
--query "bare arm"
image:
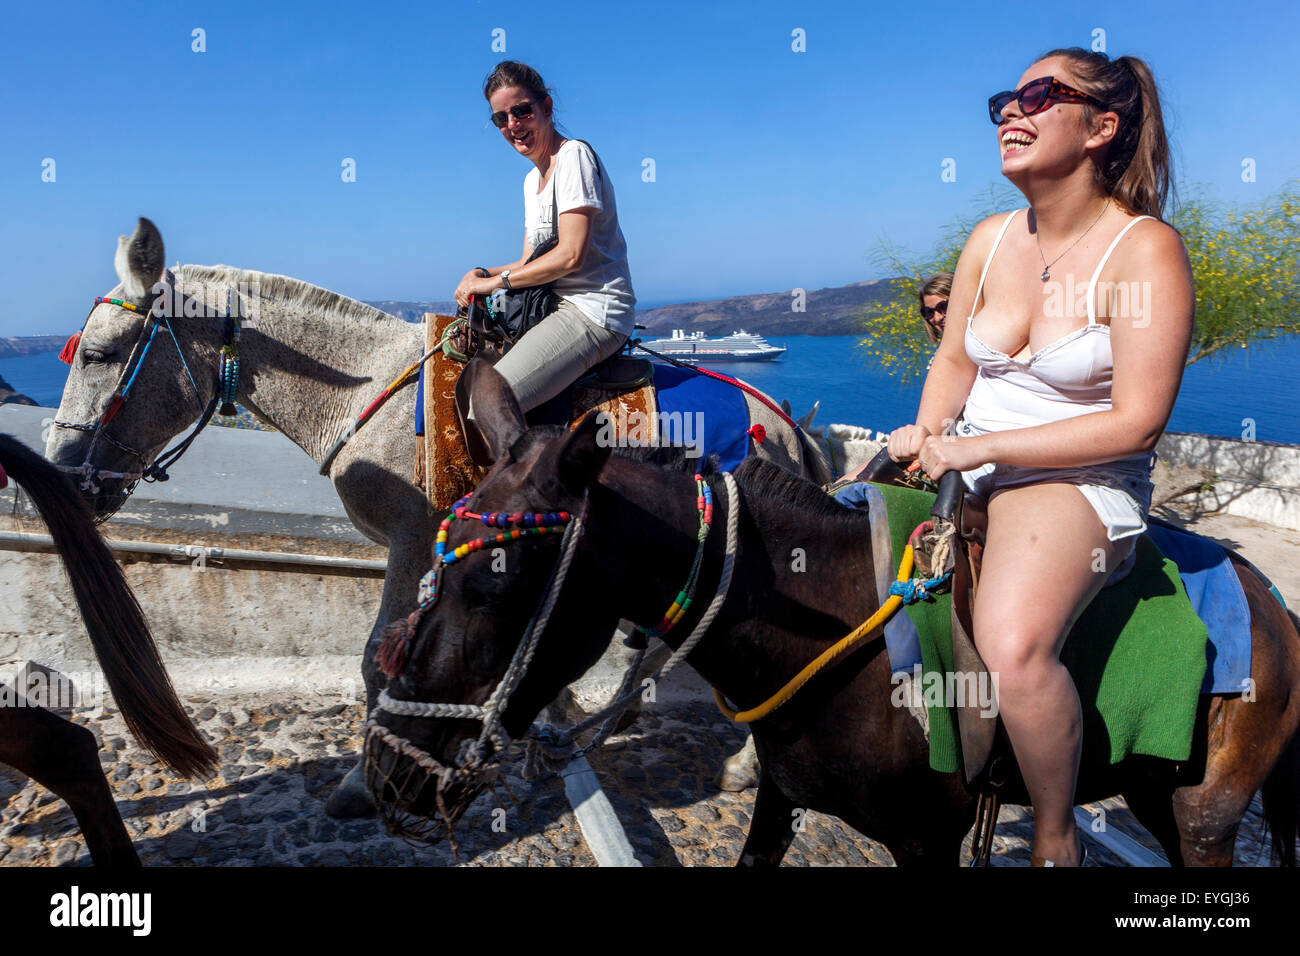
{"points": [[1149, 344], [953, 373]]}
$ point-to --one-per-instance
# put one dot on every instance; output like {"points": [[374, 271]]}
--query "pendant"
{"points": [[1045, 276]]}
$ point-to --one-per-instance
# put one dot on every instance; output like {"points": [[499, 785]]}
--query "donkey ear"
{"points": [[140, 260], [581, 456], [496, 410]]}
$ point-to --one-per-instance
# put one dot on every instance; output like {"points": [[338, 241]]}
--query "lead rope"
{"points": [[549, 749]]}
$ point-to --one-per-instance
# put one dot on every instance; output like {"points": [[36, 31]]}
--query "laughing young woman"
{"points": [[567, 195], [1058, 389]]}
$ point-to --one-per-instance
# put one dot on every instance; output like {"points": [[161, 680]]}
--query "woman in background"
{"points": [[934, 304]]}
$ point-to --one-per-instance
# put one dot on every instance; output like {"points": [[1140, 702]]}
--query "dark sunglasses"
{"points": [[1036, 95], [927, 311], [519, 111]]}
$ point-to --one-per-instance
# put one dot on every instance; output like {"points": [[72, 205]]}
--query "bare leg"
{"points": [[1047, 556]]}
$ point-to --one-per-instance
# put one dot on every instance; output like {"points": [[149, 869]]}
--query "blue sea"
{"points": [[1222, 395]]}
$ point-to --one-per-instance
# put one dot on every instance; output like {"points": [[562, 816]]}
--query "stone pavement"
{"points": [[280, 761]]}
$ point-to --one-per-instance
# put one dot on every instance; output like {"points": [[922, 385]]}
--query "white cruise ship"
{"points": [[739, 346]]}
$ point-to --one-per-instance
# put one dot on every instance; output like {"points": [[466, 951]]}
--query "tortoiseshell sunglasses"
{"points": [[1035, 96]]}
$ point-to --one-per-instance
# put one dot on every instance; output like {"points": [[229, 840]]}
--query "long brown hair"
{"points": [[1135, 170]]}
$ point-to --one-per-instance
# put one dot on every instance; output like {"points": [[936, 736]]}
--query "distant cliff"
{"points": [[30, 345], [414, 311], [826, 312], [9, 396]]}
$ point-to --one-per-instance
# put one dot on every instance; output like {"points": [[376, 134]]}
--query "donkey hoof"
{"points": [[350, 798]]}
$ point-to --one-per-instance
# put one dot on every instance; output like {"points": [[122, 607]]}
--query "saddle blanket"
{"points": [[693, 409], [1140, 655]]}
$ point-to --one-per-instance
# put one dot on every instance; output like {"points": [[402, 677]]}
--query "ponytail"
{"points": [[1135, 169]]}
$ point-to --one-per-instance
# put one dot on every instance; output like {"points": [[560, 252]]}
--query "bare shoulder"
{"points": [[983, 235], [1152, 246]]}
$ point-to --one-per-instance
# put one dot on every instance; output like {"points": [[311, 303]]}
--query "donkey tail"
{"points": [[1281, 795], [113, 618]]}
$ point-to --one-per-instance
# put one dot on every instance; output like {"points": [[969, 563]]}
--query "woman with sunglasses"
{"points": [[934, 305], [567, 196], [1059, 385]]}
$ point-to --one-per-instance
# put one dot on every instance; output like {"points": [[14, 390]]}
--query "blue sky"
{"points": [[774, 169]]}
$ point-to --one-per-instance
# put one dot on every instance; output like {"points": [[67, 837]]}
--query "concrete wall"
{"points": [[255, 626], [1252, 479]]}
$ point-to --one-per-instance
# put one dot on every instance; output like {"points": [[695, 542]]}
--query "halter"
{"points": [[155, 318], [549, 749]]}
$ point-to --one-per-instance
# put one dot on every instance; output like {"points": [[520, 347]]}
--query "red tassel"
{"points": [[114, 404], [391, 656], [70, 347], [758, 433]]}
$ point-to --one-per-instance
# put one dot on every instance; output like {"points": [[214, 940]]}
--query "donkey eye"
{"points": [[93, 356]]}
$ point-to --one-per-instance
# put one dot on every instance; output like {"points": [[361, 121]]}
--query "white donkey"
{"points": [[149, 364]]}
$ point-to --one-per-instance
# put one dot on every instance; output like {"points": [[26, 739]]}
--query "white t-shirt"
{"points": [[601, 286]]}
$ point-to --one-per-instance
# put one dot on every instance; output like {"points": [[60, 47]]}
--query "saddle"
{"points": [[984, 744], [453, 455]]}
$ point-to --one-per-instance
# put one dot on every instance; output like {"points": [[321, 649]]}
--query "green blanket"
{"points": [[1137, 654]]}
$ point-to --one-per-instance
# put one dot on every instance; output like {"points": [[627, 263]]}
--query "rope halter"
{"points": [[156, 317], [549, 749]]}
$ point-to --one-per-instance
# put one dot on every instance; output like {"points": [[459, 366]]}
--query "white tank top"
{"points": [[1068, 378]]}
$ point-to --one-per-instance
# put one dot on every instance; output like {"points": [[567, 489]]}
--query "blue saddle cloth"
{"points": [[702, 411], [419, 403], [1203, 565], [694, 409]]}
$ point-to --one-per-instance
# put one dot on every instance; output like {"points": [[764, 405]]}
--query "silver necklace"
{"points": [[1047, 266]]}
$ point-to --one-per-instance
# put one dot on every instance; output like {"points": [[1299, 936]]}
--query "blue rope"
{"points": [[185, 365], [917, 589], [138, 365]]}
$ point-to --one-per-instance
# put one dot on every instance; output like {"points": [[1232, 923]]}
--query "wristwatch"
{"points": [[505, 278]]}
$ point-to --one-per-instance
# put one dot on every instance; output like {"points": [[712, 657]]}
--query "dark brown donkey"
{"points": [[839, 746], [54, 752]]}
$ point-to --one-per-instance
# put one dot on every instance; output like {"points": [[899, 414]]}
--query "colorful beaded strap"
{"points": [[391, 656], [677, 610], [392, 652]]}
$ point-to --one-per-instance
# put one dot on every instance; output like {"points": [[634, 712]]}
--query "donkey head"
{"points": [[464, 644], [107, 355]]}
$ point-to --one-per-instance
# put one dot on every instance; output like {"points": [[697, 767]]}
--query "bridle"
{"points": [[549, 749], [224, 393]]}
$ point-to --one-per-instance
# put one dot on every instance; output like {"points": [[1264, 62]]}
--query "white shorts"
{"points": [[1119, 492]]}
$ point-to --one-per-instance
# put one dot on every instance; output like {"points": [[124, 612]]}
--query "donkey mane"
{"points": [[790, 492], [296, 292]]}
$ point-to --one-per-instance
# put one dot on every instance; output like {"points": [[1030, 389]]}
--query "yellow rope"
{"points": [[841, 647]]}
